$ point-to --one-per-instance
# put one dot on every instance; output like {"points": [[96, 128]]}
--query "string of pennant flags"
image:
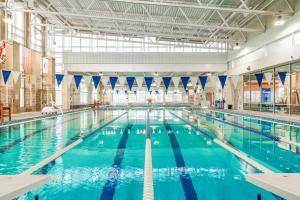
{"points": [[148, 80], [130, 80]]}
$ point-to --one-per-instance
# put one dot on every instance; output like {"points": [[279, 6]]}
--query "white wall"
{"points": [[277, 45], [145, 62]]}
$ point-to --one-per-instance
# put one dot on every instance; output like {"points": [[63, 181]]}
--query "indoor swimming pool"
{"points": [[187, 163]]}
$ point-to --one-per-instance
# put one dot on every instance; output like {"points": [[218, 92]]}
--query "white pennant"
{"points": [[122, 80], [104, 80], [269, 76], [235, 80], [70, 79], [87, 80], [194, 80], [16, 75], [139, 81], [157, 81], [176, 81]]}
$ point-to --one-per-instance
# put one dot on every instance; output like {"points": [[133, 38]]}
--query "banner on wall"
{"points": [[96, 81], [59, 78], [15, 76], [139, 81], [167, 81], [185, 80], [148, 81], [2, 52], [77, 79], [235, 80], [6, 75], [259, 78], [113, 80], [203, 80], [176, 81], [282, 76], [222, 79], [269, 76], [194, 80], [130, 81]]}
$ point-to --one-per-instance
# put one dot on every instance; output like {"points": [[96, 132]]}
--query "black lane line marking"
{"points": [[186, 181], [109, 188]]}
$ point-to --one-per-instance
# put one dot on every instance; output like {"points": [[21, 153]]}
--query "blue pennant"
{"points": [[96, 80], [77, 79], [59, 78], [203, 80], [259, 78], [113, 80], [167, 81], [148, 81], [222, 79], [6, 74], [282, 76], [130, 82], [185, 80]]}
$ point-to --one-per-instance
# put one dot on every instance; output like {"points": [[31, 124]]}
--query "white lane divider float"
{"points": [[148, 177]]}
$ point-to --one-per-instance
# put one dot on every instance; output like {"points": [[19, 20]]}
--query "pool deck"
{"points": [[13, 186], [285, 185]]}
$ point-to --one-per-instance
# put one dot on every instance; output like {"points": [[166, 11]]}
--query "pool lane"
{"points": [[276, 155], [31, 145], [109, 188], [214, 171], [107, 165]]}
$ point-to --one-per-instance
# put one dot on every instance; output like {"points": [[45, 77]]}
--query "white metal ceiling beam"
{"points": [[198, 6], [139, 32], [80, 15]]}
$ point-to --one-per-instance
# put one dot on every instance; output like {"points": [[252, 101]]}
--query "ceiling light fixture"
{"points": [[237, 46], [155, 74], [100, 74], [279, 21]]}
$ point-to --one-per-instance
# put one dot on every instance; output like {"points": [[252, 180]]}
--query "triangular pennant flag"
{"points": [[6, 75], [113, 80], [148, 81], [139, 81], [70, 78], [167, 81], [87, 80], [234, 80], [77, 79], [104, 80], [259, 78], [59, 78], [96, 80], [222, 79], [203, 80], [269, 77], [282, 76], [122, 80], [185, 80], [176, 81], [130, 81], [194, 80], [16, 75], [157, 81]]}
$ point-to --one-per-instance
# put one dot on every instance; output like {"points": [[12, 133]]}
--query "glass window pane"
{"points": [[282, 89], [295, 89]]}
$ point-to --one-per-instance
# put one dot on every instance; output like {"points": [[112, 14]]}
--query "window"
{"points": [[282, 91], [267, 91], [15, 31], [246, 87], [255, 93], [35, 32], [295, 89]]}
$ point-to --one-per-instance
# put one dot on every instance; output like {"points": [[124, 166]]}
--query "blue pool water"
{"points": [[109, 164]]}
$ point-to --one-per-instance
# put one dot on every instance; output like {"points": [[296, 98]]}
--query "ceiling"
{"points": [[198, 21]]}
